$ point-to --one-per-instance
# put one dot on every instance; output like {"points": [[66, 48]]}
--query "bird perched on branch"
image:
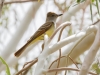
{"points": [[47, 28]]}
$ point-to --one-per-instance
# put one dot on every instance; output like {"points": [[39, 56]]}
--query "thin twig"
{"points": [[58, 5], [63, 25], [26, 68], [60, 27], [73, 62], [28, 63], [96, 22], [81, 25], [59, 49], [56, 61], [18, 1], [65, 68]]}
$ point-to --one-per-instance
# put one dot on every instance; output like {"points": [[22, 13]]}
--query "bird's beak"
{"points": [[60, 14]]}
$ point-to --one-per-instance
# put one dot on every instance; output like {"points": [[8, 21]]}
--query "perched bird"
{"points": [[47, 28]]}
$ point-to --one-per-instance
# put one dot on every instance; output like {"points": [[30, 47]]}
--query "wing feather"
{"points": [[41, 31]]}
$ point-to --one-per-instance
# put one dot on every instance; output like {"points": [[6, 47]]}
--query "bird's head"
{"points": [[51, 16]]}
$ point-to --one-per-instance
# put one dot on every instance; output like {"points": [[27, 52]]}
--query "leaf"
{"points": [[96, 68], [93, 0], [80, 1], [70, 31], [98, 71], [91, 12], [7, 68], [97, 7]]}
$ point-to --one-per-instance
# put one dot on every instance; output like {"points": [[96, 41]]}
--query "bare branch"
{"points": [[64, 68], [28, 67], [20, 1], [91, 54]]}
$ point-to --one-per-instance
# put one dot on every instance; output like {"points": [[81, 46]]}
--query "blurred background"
{"points": [[19, 19]]}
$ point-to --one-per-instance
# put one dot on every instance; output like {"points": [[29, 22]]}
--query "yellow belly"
{"points": [[48, 32]]}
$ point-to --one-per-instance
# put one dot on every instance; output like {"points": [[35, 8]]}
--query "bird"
{"points": [[47, 28]]}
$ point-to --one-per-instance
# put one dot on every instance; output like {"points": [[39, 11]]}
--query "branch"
{"points": [[64, 68], [89, 58], [28, 67], [23, 1]]}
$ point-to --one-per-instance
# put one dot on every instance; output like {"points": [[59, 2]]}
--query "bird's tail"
{"points": [[20, 51], [32, 40]]}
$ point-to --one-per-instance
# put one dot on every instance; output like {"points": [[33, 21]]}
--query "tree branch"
{"points": [[18, 1]]}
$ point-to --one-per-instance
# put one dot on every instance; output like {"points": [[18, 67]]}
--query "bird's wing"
{"points": [[41, 31]]}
